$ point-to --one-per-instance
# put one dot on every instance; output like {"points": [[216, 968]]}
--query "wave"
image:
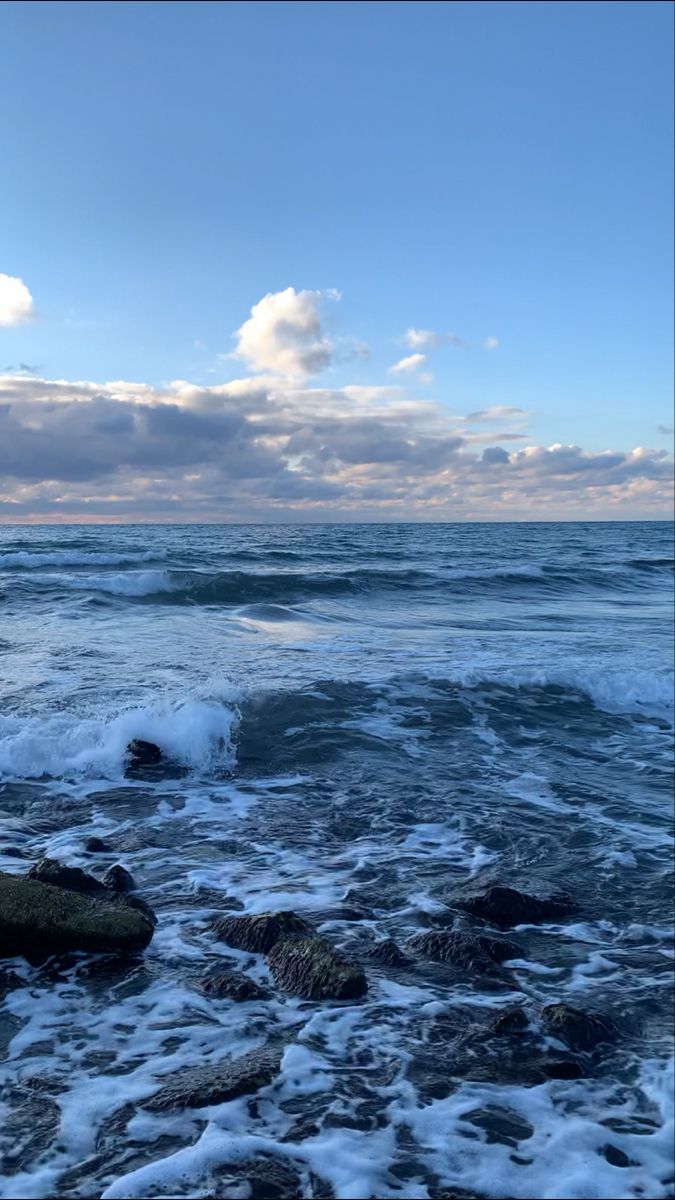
{"points": [[195, 733], [69, 558]]}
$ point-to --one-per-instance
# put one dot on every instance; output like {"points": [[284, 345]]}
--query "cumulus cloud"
{"points": [[265, 448], [428, 339], [284, 336], [412, 363], [491, 343], [16, 302]]}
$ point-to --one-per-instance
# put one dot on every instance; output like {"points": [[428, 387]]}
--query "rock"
{"points": [[388, 954], [229, 985], [580, 1029], [195, 1087], [506, 906], [8, 981], [96, 845], [118, 880], [48, 870], [143, 754], [465, 950], [266, 1179], [309, 967], [561, 1068], [38, 918], [260, 933], [510, 1020]]}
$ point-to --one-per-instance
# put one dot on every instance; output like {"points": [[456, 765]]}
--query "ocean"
{"points": [[357, 723]]}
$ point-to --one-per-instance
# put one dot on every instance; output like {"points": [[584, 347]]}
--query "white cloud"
{"points": [[491, 343], [16, 302], [498, 412], [412, 363], [284, 336], [428, 339]]}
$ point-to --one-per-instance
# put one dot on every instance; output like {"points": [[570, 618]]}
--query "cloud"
{"points": [[669, 430], [16, 302], [428, 339], [412, 363], [491, 343], [498, 412], [284, 336], [267, 449]]}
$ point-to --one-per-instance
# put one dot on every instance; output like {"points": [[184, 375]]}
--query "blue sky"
{"points": [[496, 171]]}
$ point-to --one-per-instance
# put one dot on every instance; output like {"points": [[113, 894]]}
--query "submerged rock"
{"points": [[118, 880], [465, 950], [561, 1068], [230, 985], [513, 1019], [143, 754], [195, 1087], [266, 1178], [259, 933], [38, 918], [389, 954], [73, 879], [310, 968], [580, 1029], [507, 906], [96, 845]]}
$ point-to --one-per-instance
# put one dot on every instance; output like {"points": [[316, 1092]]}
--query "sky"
{"points": [[364, 261]]}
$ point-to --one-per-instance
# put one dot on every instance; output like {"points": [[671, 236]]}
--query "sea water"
{"points": [[367, 716]]}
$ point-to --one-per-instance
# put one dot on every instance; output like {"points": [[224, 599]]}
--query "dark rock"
{"points": [[118, 880], [561, 1068], [309, 967], [580, 1029], [195, 1087], [260, 933], [38, 918], [510, 1020], [229, 985], [48, 870], [266, 1178], [143, 754], [8, 981], [506, 906], [96, 845], [465, 950], [617, 1157], [389, 954]]}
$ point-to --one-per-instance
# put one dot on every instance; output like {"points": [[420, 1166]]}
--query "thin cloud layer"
{"points": [[406, 365], [16, 302], [263, 449]]}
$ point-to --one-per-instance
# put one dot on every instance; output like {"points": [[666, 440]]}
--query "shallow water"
{"points": [[360, 715]]}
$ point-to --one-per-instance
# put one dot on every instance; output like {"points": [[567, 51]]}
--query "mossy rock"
{"points": [[260, 932], [310, 968]]}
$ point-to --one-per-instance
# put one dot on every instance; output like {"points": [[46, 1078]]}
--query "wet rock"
{"points": [[507, 906], [96, 845], [471, 952], [229, 985], [310, 968], [266, 1179], [143, 754], [48, 870], [37, 918], [261, 932], [118, 880], [513, 1019], [617, 1157], [580, 1029], [561, 1068], [195, 1087], [8, 981], [388, 954]]}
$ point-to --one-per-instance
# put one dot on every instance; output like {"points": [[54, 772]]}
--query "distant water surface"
{"points": [[370, 715]]}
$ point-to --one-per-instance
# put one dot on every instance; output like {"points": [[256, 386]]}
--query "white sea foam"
{"points": [[72, 558], [119, 583], [196, 733]]}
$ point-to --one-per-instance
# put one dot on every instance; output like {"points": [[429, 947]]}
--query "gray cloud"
{"points": [[257, 449]]}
